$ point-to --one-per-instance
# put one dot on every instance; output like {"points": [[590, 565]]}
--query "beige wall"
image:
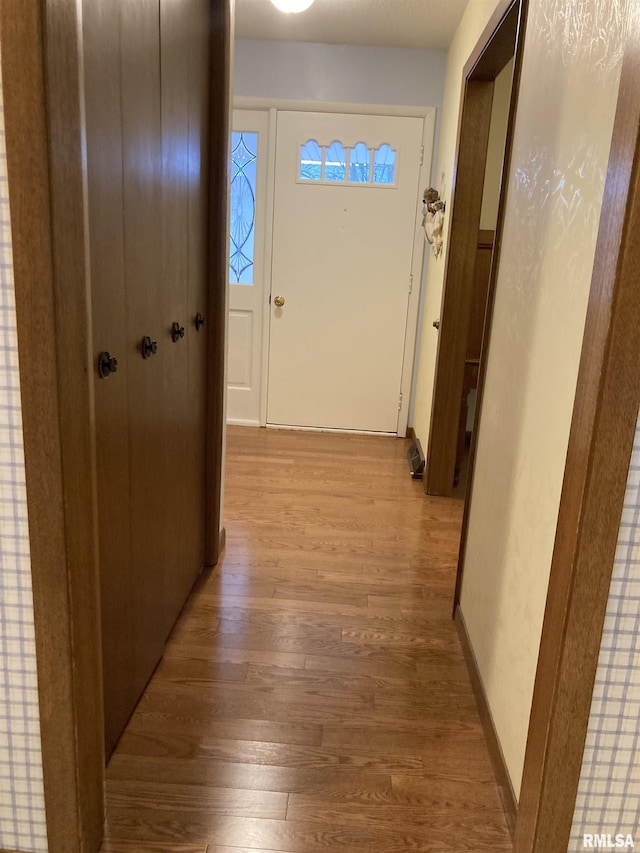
{"points": [[495, 150], [475, 19], [562, 139]]}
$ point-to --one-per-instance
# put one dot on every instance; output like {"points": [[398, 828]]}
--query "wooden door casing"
{"points": [[149, 462]]}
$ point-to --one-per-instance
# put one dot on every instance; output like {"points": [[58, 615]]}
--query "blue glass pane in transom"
{"points": [[244, 159], [359, 164], [310, 161], [335, 163], [384, 165]]}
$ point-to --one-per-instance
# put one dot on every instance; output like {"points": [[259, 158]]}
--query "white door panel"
{"points": [[241, 354], [247, 266], [342, 256]]}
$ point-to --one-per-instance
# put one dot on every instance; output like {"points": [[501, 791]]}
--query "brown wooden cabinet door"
{"points": [[149, 382], [147, 94], [101, 32], [198, 270], [174, 40]]}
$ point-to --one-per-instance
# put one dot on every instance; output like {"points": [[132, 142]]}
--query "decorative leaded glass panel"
{"points": [[335, 163], [359, 164], [384, 165], [244, 156], [310, 161]]}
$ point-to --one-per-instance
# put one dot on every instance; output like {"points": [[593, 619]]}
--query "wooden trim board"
{"points": [[44, 127], [220, 122], [600, 445], [503, 781]]}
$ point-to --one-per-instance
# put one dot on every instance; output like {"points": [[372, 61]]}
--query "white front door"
{"points": [[346, 201], [246, 264]]}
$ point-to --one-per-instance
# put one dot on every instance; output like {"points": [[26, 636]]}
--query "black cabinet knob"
{"points": [[149, 347], [107, 364], [177, 332], [200, 321]]}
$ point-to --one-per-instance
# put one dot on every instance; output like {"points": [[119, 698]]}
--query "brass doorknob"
{"points": [[279, 301]]}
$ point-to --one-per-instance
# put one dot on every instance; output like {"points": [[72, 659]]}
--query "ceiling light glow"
{"points": [[292, 5]]}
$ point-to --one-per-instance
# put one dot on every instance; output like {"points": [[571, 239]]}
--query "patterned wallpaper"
{"points": [[608, 799], [22, 811]]}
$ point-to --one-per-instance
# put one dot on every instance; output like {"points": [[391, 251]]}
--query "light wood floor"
{"points": [[313, 697]]}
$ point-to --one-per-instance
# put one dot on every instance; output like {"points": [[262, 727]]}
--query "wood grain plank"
{"points": [[293, 755], [353, 782], [137, 796], [441, 815], [471, 794], [155, 735], [179, 649], [150, 847]]}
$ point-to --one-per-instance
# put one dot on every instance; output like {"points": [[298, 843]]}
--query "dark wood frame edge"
{"points": [[503, 780], [41, 45], [600, 445], [491, 295], [219, 134]]}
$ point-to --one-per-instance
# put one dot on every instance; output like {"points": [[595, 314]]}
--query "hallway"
{"points": [[313, 697]]}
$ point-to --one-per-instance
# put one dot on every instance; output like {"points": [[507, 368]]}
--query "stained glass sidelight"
{"points": [[384, 165], [335, 163], [359, 164], [310, 161], [244, 156]]}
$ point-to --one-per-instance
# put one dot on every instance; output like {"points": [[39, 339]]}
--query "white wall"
{"points": [[344, 74], [563, 130]]}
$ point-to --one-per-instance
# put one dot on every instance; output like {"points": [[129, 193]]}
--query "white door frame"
{"points": [[272, 106]]}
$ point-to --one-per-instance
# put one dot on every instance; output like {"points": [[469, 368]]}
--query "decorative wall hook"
{"points": [[432, 201], [433, 219]]}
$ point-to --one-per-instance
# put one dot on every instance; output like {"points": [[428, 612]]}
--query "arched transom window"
{"points": [[337, 163]]}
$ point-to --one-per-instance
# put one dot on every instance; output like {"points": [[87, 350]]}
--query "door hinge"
{"points": [[400, 401], [410, 284], [421, 154]]}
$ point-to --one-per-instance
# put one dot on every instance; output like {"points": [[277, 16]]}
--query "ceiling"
{"points": [[392, 23]]}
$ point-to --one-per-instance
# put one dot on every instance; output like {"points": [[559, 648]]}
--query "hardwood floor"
{"points": [[313, 697]]}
